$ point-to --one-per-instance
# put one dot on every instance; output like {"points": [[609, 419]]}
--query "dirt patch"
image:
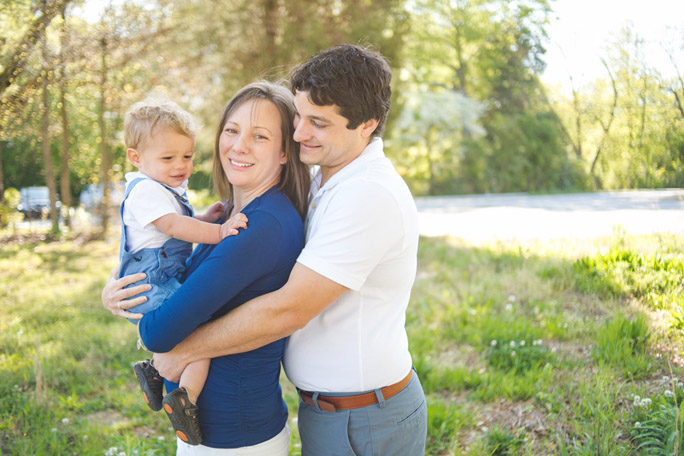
{"points": [[108, 418]]}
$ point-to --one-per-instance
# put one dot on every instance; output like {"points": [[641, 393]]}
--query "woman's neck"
{"points": [[242, 197]]}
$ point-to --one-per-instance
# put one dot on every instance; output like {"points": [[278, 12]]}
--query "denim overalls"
{"points": [[163, 265]]}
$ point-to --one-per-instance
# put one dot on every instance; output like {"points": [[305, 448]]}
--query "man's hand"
{"points": [[213, 214], [170, 365], [118, 299]]}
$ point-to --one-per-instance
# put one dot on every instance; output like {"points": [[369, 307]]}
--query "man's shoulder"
{"points": [[377, 179]]}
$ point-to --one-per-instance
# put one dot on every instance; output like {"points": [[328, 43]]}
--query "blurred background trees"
{"points": [[470, 113]]}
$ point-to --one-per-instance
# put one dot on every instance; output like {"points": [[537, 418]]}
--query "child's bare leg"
{"points": [[193, 378]]}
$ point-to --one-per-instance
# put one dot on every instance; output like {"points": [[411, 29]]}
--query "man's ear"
{"points": [[368, 127], [133, 157]]}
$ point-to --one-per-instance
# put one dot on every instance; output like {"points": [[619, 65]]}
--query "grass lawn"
{"points": [[558, 348]]}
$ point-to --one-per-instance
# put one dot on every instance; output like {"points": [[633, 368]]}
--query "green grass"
{"points": [[536, 349]]}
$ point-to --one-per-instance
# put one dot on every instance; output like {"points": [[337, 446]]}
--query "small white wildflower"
{"points": [[547, 365], [121, 453], [53, 429], [513, 354], [511, 298], [522, 343], [512, 344], [65, 420], [668, 393], [472, 311], [637, 425], [666, 378], [508, 307], [16, 387], [493, 343], [85, 437], [160, 438], [565, 326], [646, 402]]}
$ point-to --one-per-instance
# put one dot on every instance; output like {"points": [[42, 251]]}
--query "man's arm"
{"points": [[256, 323]]}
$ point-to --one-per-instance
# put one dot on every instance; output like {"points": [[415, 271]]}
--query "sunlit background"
{"points": [[489, 96]]}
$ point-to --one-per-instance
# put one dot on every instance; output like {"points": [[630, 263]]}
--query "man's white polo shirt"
{"points": [[362, 232]]}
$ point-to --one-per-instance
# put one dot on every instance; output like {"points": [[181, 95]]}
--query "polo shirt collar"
{"points": [[373, 151]]}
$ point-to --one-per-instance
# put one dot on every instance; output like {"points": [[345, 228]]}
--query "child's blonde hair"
{"points": [[144, 116]]}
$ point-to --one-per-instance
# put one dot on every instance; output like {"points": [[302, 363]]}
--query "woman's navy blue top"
{"points": [[241, 403]]}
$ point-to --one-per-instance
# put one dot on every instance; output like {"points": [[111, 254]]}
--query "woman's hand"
{"points": [[115, 297]]}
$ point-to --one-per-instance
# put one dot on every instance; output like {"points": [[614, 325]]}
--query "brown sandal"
{"points": [[183, 416]]}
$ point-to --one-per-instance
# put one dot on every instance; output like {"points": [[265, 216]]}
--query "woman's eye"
{"points": [[261, 137], [317, 125]]}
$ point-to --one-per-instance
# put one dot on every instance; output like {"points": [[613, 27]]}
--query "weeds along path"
{"points": [[549, 347]]}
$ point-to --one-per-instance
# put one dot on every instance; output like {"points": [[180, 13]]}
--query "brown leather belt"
{"points": [[335, 403]]}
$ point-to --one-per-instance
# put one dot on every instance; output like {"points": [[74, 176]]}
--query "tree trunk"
{"points": [[2, 177], [104, 152], [65, 184], [45, 135], [606, 127]]}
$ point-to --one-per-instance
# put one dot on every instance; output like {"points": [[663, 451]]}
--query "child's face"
{"points": [[166, 156]]}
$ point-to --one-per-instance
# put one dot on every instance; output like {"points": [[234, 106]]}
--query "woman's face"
{"points": [[250, 146]]}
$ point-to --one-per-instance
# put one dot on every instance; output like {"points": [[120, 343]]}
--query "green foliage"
{"points": [[623, 343], [8, 207], [58, 344], [658, 422], [655, 279], [444, 423], [502, 442], [518, 356]]}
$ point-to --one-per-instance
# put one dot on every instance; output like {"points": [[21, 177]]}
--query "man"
{"points": [[345, 301]]}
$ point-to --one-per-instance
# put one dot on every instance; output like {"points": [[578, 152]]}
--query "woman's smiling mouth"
{"points": [[240, 164]]}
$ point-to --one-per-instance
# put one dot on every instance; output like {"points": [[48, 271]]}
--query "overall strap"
{"points": [[129, 187], [182, 199]]}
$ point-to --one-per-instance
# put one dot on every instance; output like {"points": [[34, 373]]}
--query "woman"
{"points": [[258, 171]]}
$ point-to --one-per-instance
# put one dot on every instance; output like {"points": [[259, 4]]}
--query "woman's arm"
{"points": [[232, 266]]}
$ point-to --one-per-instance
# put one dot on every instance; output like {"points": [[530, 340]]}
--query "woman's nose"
{"points": [[240, 144]]}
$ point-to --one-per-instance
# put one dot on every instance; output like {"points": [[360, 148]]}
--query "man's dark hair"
{"points": [[355, 79]]}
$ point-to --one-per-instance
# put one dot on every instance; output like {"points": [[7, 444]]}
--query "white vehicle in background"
{"points": [[34, 202]]}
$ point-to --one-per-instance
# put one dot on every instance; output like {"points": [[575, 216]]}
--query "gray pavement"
{"points": [[523, 217]]}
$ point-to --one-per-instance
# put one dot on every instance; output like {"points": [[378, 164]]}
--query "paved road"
{"points": [[517, 216]]}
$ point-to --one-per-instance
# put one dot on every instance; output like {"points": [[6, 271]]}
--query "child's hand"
{"points": [[213, 214], [230, 227]]}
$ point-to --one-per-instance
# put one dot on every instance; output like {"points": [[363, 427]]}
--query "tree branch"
{"points": [[17, 61]]}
